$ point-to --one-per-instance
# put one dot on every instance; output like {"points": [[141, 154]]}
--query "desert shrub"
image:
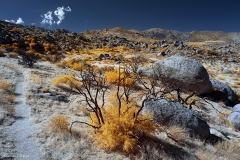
{"points": [[170, 97], [2, 51], [77, 65], [66, 81], [121, 129], [227, 150], [119, 78], [13, 54], [4, 84], [178, 133], [27, 58], [211, 52], [36, 78], [59, 123], [10, 109], [11, 97], [45, 90]]}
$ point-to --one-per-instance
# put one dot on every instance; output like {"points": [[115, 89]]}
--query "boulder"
{"points": [[189, 74], [166, 112], [234, 117], [145, 71], [223, 92], [236, 108]]}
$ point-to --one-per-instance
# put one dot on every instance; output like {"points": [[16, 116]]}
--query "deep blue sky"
{"points": [[181, 15]]}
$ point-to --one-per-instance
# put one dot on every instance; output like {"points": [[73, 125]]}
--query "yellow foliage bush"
{"points": [[170, 97], [13, 54], [66, 80], [122, 79], [76, 64], [121, 131], [11, 97], [4, 84], [59, 123]]}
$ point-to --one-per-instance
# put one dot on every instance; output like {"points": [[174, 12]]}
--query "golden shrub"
{"points": [[66, 80], [178, 133], [4, 84], [36, 78], [170, 97], [59, 123], [10, 109], [119, 78], [11, 97], [121, 131], [45, 90], [13, 54], [76, 64], [2, 51]]}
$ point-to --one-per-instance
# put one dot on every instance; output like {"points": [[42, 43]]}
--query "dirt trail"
{"points": [[19, 141]]}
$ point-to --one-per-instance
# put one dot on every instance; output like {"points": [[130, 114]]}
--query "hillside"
{"points": [[193, 36], [118, 94]]}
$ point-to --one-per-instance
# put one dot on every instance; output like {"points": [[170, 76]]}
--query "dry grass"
{"points": [[227, 150], [13, 54], [222, 117], [204, 155], [237, 83], [35, 78], [4, 84], [221, 78], [2, 51], [11, 97], [59, 123], [10, 109], [98, 51], [178, 133], [238, 96], [45, 90]]}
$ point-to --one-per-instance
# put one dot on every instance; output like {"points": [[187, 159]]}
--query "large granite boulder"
{"points": [[145, 71], [223, 92], [234, 117], [166, 112], [189, 74]]}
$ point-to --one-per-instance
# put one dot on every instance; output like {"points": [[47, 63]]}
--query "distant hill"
{"points": [[194, 36]]}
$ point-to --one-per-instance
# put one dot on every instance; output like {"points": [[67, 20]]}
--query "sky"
{"points": [[82, 15]]}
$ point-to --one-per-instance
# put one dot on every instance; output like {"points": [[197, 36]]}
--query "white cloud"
{"points": [[59, 13], [19, 21], [12, 21], [47, 18]]}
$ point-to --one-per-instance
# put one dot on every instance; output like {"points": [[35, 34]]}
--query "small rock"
{"points": [[230, 59]]}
